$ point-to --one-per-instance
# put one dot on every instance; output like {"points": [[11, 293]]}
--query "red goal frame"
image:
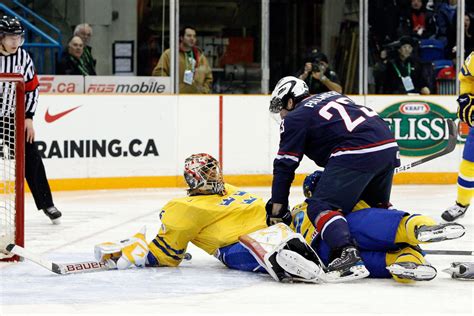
{"points": [[19, 157]]}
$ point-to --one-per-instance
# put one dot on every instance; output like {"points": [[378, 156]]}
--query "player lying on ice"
{"points": [[231, 224]]}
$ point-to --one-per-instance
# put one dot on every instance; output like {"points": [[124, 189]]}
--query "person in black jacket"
{"points": [[71, 63], [403, 74]]}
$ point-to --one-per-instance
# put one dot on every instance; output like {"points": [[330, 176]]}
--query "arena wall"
{"points": [[102, 141]]}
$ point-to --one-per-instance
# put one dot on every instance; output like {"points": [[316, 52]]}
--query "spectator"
{"points": [[84, 31], [417, 21], [71, 63], [318, 76], [468, 36], [14, 59], [403, 74], [446, 22], [195, 75]]}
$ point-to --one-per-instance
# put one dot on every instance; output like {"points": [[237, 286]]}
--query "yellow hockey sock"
{"points": [[465, 179], [407, 226]]}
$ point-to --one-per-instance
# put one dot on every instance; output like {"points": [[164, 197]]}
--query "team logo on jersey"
{"points": [[18, 69], [419, 126]]}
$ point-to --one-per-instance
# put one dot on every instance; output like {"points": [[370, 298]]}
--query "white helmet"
{"points": [[286, 88]]}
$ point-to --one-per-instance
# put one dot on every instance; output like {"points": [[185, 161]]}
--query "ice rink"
{"points": [[204, 285]]}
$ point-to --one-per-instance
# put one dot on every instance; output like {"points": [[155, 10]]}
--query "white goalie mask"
{"points": [[286, 88], [203, 175]]}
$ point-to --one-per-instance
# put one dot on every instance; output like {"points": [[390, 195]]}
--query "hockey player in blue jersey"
{"points": [[352, 143], [388, 240]]}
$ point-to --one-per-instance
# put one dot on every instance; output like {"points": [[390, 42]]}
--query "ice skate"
{"points": [[454, 212], [347, 267], [461, 270], [412, 271], [439, 232], [54, 214]]}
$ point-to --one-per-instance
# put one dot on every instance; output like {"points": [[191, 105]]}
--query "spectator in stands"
{"points": [[72, 63], [468, 35], [446, 21], [317, 74], [417, 21], [84, 31], [195, 75], [403, 74]]}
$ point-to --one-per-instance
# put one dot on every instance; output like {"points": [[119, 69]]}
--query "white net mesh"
{"points": [[8, 154]]}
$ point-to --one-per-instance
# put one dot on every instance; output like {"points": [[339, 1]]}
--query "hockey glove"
{"points": [[283, 215], [134, 251], [131, 251], [466, 108]]}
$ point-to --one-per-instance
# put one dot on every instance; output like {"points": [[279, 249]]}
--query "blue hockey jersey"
{"points": [[330, 127]]}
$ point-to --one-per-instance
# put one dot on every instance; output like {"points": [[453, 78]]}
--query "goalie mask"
{"points": [[286, 88], [203, 175]]}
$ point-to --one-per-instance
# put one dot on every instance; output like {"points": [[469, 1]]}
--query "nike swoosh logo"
{"points": [[50, 118]]}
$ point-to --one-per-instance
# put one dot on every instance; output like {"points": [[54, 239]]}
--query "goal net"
{"points": [[12, 153]]}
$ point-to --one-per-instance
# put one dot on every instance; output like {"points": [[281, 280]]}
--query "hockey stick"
{"points": [[65, 268], [452, 140], [58, 268], [450, 252]]}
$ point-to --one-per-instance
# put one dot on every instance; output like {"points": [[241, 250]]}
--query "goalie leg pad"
{"points": [[267, 244]]}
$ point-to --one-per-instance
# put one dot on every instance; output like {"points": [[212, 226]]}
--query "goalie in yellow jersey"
{"points": [[465, 185], [231, 224], [214, 216]]}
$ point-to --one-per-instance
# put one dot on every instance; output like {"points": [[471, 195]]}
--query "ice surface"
{"points": [[204, 285]]}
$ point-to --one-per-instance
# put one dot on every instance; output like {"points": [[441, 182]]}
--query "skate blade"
{"points": [[415, 273], [446, 232], [354, 273], [297, 265]]}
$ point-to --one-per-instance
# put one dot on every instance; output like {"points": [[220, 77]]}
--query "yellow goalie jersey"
{"points": [[208, 221], [466, 76]]}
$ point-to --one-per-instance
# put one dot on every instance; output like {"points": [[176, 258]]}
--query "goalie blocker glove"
{"points": [[284, 215], [466, 108]]}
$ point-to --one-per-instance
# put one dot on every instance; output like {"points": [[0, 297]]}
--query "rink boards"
{"points": [[130, 141]]}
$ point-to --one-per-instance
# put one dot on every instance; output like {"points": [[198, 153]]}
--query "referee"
{"points": [[14, 59]]}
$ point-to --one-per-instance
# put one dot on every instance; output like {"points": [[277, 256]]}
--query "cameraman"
{"points": [[318, 76]]}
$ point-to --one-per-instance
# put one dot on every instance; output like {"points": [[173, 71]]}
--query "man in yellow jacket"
{"points": [[195, 75]]}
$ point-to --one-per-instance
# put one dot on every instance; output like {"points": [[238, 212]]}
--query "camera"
{"points": [[317, 66]]}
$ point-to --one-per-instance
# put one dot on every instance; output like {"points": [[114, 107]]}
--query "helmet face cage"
{"points": [[310, 183], [203, 175]]}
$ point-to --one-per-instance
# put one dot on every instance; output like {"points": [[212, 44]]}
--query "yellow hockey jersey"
{"points": [[208, 221], [301, 223], [466, 75]]}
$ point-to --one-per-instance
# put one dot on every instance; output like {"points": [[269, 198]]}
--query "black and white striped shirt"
{"points": [[20, 63]]}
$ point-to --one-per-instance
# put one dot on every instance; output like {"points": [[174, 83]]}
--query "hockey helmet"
{"points": [[310, 183], [11, 25], [288, 87], [203, 175]]}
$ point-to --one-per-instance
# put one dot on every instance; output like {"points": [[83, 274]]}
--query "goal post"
{"points": [[12, 161]]}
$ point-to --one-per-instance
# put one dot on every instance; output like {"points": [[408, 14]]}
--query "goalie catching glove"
{"points": [[466, 108], [128, 252]]}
